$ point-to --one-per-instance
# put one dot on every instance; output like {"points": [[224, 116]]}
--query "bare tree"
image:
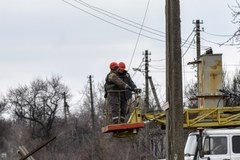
{"points": [[3, 104], [191, 91], [38, 103], [235, 10], [231, 90]]}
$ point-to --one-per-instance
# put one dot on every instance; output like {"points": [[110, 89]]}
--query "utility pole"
{"points": [[198, 30], [198, 51], [93, 119], [92, 107], [146, 60], [146, 101], [66, 107], [154, 92], [174, 128]]}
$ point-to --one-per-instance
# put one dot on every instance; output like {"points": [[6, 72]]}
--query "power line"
{"points": [[113, 16], [158, 60], [158, 68], [142, 26], [138, 68], [188, 47], [145, 14], [119, 26], [219, 44], [164, 71], [111, 22], [185, 41], [107, 13], [217, 35]]}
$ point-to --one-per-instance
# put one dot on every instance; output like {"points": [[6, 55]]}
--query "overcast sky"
{"points": [[75, 39]]}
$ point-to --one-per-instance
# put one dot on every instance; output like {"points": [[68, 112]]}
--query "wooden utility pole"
{"points": [[92, 107], [93, 120], [175, 139], [66, 107]]}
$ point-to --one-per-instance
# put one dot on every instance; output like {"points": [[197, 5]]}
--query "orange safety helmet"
{"points": [[121, 66], [113, 65]]}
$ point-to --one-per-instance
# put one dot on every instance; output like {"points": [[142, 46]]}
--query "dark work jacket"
{"points": [[128, 80], [113, 82]]}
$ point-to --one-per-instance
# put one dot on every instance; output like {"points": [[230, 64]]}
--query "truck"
{"points": [[213, 144]]}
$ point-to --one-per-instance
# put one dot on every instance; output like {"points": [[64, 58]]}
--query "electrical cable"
{"points": [[122, 17], [217, 43], [158, 60], [164, 69], [111, 22], [188, 47], [217, 35], [145, 14], [124, 28], [106, 13], [140, 65], [202, 45], [187, 38], [157, 67]]}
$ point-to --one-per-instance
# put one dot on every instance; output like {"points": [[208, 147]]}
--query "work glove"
{"points": [[128, 87], [137, 90]]}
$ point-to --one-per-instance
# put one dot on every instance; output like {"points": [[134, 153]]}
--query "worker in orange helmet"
{"points": [[113, 88], [127, 94], [113, 66]]}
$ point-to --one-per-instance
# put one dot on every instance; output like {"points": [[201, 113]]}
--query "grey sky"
{"points": [[39, 38]]}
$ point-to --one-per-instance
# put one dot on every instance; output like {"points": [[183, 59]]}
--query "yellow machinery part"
{"points": [[204, 117]]}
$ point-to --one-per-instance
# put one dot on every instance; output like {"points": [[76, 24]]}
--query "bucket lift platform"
{"points": [[122, 127], [130, 128], [123, 130]]}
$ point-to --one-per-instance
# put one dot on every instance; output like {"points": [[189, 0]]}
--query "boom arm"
{"points": [[206, 117]]}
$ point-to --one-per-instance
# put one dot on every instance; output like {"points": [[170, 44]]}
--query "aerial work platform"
{"points": [[123, 130], [130, 128], [122, 127]]}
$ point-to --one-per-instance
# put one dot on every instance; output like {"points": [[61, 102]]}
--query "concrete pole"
{"points": [[146, 107], [175, 139]]}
